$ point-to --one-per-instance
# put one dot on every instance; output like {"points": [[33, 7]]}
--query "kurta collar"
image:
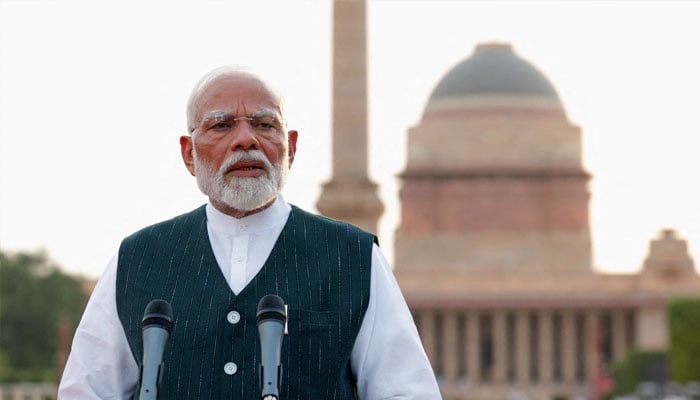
{"points": [[264, 220]]}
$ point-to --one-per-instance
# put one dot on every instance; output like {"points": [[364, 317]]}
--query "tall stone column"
{"points": [[473, 348], [546, 350], [500, 343], [619, 334], [592, 321], [522, 347], [568, 346], [350, 195], [449, 349]]}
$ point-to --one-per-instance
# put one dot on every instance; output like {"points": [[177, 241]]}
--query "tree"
{"points": [[634, 368], [684, 318], [34, 297]]}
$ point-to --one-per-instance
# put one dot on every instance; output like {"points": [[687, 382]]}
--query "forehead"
{"points": [[239, 95]]}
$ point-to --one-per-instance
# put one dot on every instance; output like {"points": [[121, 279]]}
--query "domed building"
{"points": [[494, 157], [493, 251]]}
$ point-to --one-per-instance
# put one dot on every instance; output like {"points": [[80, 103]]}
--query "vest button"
{"points": [[233, 317], [230, 368]]}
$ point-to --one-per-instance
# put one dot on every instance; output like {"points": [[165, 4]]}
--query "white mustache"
{"points": [[250, 155]]}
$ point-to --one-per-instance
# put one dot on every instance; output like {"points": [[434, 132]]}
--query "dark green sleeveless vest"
{"points": [[320, 267]]}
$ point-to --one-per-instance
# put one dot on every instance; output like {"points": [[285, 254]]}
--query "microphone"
{"points": [[157, 323], [271, 317]]}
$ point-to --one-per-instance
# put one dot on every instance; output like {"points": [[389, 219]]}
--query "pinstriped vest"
{"points": [[320, 267]]}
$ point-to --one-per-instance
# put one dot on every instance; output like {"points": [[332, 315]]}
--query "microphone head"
{"points": [[271, 307], [158, 313]]}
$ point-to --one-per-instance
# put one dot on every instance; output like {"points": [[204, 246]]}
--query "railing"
{"points": [[28, 391]]}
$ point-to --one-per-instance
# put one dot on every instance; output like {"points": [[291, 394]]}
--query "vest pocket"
{"points": [[311, 354]]}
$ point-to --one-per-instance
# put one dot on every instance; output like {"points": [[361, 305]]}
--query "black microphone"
{"points": [[157, 323], [271, 317]]}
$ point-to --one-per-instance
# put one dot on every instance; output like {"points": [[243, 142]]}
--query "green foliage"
{"points": [[684, 319], [632, 369], [34, 296]]}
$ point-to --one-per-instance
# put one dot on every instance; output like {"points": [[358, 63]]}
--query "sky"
{"points": [[93, 93]]}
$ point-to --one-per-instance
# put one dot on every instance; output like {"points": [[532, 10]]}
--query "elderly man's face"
{"points": [[238, 126]]}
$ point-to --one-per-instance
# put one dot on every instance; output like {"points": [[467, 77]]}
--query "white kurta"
{"points": [[387, 358]]}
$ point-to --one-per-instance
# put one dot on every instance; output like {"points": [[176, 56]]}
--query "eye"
{"points": [[220, 126], [265, 123], [217, 121]]}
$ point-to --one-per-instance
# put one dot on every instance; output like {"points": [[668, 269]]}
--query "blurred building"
{"points": [[493, 252]]}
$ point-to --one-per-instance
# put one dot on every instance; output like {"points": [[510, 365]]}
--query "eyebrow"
{"points": [[216, 115], [222, 115]]}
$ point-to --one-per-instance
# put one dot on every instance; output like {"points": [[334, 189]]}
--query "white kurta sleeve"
{"points": [[100, 365], [388, 358]]}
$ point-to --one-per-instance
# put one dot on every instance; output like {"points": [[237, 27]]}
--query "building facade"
{"points": [[493, 251]]}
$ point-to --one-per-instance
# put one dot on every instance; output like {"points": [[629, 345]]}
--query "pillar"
{"points": [[592, 324], [522, 347], [473, 348], [568, 346], [449, 348], [499, 347], [546, 343], [350, 195], [619, 334]]}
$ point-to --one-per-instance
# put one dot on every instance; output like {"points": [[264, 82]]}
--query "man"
{"points": [[350, 332]]}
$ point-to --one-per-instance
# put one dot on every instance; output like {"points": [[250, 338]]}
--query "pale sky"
{"points": [[93, 93]]}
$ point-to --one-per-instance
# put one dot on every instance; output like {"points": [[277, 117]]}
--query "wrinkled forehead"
{"points": [[238, 95]]}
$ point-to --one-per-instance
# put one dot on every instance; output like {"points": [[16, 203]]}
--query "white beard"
{"points": [[243, 194]]}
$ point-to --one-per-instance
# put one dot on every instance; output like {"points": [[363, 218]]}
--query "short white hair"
{"points": [[215, 74]]}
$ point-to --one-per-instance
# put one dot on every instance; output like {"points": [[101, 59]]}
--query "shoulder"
{"points": [[196, 216], [299, 214]]}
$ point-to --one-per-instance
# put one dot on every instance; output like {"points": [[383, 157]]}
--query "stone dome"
{"points": [[494, 70], [497, 112]]}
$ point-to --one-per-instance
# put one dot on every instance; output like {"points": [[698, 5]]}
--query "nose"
{"points": [[244, 137]]}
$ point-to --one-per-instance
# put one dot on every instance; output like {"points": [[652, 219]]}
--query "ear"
{"points": [[292, 145], [186, 150]]}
